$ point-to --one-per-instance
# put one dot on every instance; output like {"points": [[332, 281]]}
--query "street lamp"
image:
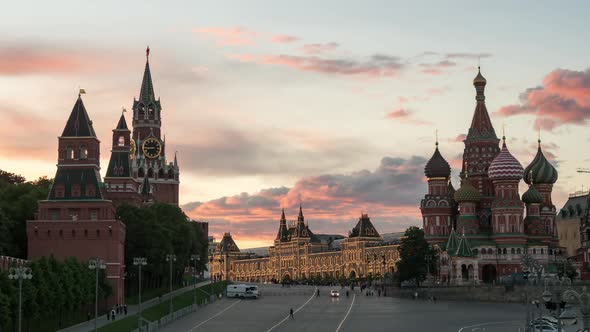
{"points": [[584, 300], [96, 264], [20, 273], [568, 316], [171, 258], [139, 262], [196, 259]]}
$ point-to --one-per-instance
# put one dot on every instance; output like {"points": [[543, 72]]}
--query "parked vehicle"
{"points": [[242, 291], [334, 293]]}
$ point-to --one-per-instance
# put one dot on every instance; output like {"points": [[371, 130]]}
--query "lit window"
{"points": [[121, 141], [83, 152]]}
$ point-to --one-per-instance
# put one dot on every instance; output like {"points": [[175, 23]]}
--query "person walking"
{"points": [[291, 313], [113, 313], [317, 294], [125, 309]]}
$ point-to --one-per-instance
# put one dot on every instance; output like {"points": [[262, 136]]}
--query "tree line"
{"points": [[59, 294]]}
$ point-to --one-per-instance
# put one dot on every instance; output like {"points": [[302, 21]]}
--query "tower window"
{"points": [[83, 152], [150, 173], [75, 190], [59, 191], [90, 190], [121, 141], [69, 153], [140, 173], [93, 214]]}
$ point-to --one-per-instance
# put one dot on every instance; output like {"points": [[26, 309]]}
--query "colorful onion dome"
{"points": [[467, 193], [542, 170], [532, 196], [479, 79], [505, 166], [437, 166]]}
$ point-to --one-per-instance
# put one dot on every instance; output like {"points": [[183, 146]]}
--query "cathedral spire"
{"points": [[481, 125], [300, 217], [147, 88]]}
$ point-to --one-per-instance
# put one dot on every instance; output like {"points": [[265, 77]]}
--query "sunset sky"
{"points": [[332, 104]]}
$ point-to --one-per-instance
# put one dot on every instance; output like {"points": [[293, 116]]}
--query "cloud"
{"points": [[232, 151], [437, 68], [459, 138], [563, 99], [314, 49], [467, 55], [285, 39], [234, 36], [331, 202], [378, 65], [31, 59], [403, 115]]}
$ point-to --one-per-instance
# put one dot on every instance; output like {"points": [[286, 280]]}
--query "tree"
{"points": [[416, 257], [567, 269]]}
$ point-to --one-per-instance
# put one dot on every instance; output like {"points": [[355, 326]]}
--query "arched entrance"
{"points": [[352, 275], [488, 274], [286, 278]]}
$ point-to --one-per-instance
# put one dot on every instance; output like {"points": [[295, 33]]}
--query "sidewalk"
{"points": [[131, 310]]}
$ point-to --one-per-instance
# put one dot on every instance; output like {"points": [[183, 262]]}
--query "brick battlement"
{"points": [[7, 262]]}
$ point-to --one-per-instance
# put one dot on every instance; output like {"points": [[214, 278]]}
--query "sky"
{"points": [[270, 104]]}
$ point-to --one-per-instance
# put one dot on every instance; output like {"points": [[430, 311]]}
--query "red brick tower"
{"points": [[439, 209], [148, 148], [76, 220], [481, 147]]}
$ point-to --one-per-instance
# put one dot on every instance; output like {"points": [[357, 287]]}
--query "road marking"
{"points": [[217, 314], [491, 323], [347, 313], [296, 310]]}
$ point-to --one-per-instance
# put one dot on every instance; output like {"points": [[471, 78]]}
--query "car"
{"points": [[334, 293]]}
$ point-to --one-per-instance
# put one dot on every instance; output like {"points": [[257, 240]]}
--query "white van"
{"points": [[242, 291]]}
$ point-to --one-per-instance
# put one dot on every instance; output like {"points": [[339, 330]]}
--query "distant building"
{"points": [[569, 222], [298, 254], [481, 228]]}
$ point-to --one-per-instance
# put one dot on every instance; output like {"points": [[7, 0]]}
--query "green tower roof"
{"points": [[464, 249], [452, 242]]}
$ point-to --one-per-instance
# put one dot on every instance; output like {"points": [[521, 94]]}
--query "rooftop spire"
{"points": [[481, 125], [79, 123], [300, 217], [147, 88]]}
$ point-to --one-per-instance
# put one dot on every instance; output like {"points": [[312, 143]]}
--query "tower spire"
{"points": [[146, 93], [481, 125]]}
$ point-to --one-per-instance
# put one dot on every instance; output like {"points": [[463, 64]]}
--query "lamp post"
{"points": [[20, 273], [195, 259], [584, 299], [96, 264], [171, 258], [139, 262], [558, 303]]}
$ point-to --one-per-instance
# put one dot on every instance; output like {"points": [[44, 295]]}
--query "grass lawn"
{"points": [[149, 294], [162, 309]]}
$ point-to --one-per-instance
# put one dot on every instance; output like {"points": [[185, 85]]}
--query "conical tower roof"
{"points": [[122, 124], [542, 170], [283, 233], [464, 249], [227, 244], [437, 166], [452, 242], [79, 123], [505, 166], [146, 93], [481, 125], [364, 228]]}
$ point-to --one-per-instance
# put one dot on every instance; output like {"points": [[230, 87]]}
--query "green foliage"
{"points": [[18, 203], [567, 269], [53, 296], [416, 257], [153, 232]]}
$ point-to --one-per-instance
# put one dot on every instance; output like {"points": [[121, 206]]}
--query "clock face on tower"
{"points": [[151, 147]]}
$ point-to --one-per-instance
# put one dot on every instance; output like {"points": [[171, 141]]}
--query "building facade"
{"points": [[300, 254], [497, 226], [570, 221]]}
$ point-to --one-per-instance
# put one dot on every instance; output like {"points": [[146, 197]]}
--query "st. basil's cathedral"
{"points": [[481, 229], [78, 218]]}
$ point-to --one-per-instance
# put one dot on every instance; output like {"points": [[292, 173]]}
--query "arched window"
{"points": [[69, 153], [534, 251], [83, 152], [504, 251], [121, 141], [518, 251], [512, 251], [140, 173], [150, 173], [141, 112], [151, 113], [161, 173]]}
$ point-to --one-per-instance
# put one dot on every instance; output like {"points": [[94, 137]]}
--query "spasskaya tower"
{"points": [[148, 166]]}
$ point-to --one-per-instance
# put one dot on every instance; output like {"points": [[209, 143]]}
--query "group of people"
{"points": [[117, 310]]}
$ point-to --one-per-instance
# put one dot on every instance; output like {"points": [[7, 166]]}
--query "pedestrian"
{"points": [[118, 308], [113, 314], [434, 299], [379, 292], [317, 293], [88, 316], [125, 309], [291, 313], [415, 295], [108, 315], [159, 298]]}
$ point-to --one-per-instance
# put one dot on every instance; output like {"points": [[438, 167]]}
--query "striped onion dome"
{"points": [[542, 170], [532, 196], [505, 166], [467, 193]]}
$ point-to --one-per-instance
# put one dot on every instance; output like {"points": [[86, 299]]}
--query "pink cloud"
{"points": [[399, 113], [331, 202], [374, 66], [235, 36], [564, 99], [313, 49], [437, 68], [403, 115], [285, 39]]}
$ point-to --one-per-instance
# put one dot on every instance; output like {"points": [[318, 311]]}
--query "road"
{"points": [[355, 313]]}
